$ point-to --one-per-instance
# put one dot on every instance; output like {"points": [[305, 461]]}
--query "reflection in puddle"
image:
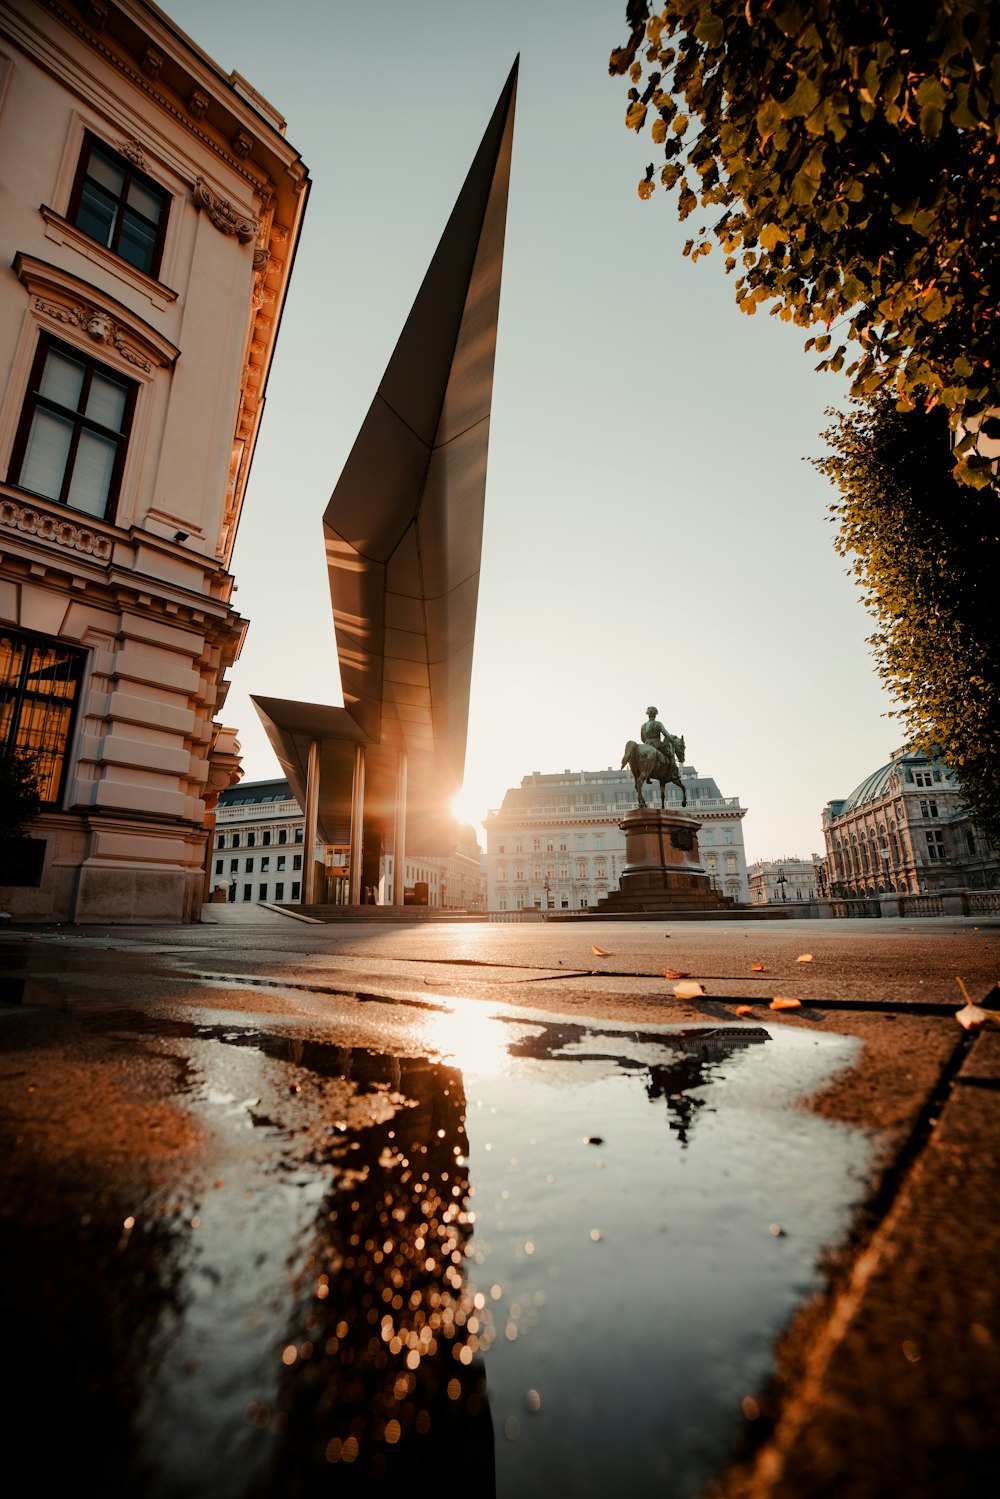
{"points": [[540, 1255]]}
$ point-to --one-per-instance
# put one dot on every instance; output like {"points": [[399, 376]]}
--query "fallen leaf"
{"points": [[601, 953], [757, 968], [972, 1017], [805, 957], [688, 990], [780, 1003], [744, 1010], [671, 973]]}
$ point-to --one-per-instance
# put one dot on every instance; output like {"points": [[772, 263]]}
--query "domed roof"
{"points": [[872, 789], [876, 786]]}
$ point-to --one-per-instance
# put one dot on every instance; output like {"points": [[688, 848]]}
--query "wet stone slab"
{"points": [[512, 1254]]}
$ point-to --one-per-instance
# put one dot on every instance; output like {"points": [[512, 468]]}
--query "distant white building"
{"points": [[778, 881], [259, 848], [555, 842], [259, 851]]}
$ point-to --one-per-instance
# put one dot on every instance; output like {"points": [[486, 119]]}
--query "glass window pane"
{"points": [[92, 470], [136, 242], [108, 173], [45, 458], [62, 380], [96, 214], [106, 402], [145, 201]]}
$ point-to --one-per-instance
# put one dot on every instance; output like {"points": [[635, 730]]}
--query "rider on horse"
{"points": [[653, 733]]}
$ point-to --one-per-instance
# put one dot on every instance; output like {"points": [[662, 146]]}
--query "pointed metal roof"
{"points": [[404, 524], [404, 531]]}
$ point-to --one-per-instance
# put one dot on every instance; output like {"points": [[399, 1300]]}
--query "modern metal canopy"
{"points": [[403, 533]]}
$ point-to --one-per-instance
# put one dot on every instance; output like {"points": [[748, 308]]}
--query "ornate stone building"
{"points": [[905, 830], [555, 843], [779, 881], [151, 209]]}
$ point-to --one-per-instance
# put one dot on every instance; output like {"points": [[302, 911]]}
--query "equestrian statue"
{"points": [[658, 758]]}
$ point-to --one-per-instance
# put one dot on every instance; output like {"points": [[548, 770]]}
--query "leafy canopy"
{"points": [[847, 153], [926, 554]]}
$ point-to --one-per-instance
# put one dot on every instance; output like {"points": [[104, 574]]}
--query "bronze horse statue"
{"points": [[647, 763]]}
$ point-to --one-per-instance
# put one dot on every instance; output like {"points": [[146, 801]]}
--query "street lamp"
{"points": [[545, 887], [782, 882]]}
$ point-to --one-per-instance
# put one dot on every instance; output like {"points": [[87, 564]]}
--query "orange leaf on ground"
{"points": [[671, 973], [757, 967], [688, 990], [971, 1017], [805, 957], [780, 1003], [744, 1009], [601, 952]]}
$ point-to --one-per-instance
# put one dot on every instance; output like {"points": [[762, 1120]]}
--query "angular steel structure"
{"points": [[403, 533]]}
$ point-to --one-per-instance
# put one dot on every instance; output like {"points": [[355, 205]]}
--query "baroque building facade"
{"points": [[905, 830], [555, 842], [778, 881], [151, 210]]}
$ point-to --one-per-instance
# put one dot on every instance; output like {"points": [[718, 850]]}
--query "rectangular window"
{"points": [[922, 778], [281, 861], [296, 861], [236, 840], [220, 842], [248, 892], [39, 687], [73, 433], [299, 835], [265, 864], [263, 892], [248, 866], [251, 839], [283, 835], [935, 845], [119, 206], [218, 866], [279, 891], [295, 889], [234, 865], [265, 838]]}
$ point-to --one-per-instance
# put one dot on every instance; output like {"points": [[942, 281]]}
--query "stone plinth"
{"points": [[663, 869]]}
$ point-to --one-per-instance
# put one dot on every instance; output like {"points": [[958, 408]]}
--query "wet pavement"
{"points": [[289, 1211]]}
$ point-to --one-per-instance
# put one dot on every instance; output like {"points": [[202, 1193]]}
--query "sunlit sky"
{"points": [[653, 533]]}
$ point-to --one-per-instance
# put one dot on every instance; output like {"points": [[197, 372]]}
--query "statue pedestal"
{"points": [[663, 869]]}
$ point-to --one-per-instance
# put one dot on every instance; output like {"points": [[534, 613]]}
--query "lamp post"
{"points": [[782, 882], [545, 887]]}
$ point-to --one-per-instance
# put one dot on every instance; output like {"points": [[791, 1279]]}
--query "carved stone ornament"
{"points": [[261, 256], [222, 213], [96, 14], [99, 326], [241, 144], [48, 528], [197, 104], [682, 839], [132, 149], [151, 62]]}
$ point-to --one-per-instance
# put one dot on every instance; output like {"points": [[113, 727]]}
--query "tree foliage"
{"points": [[19, 798], [926, 554], [845, 155]]}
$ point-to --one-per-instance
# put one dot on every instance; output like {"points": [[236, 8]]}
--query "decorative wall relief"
{"points": [[222, 213], [100, 327], [63, 532]]}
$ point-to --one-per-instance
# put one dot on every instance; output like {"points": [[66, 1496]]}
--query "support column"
{"points": [[311, 823], [357, 823], [399, 835]]}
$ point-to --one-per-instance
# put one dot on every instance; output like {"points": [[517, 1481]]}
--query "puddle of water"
{"points": [[531, 1253]]}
